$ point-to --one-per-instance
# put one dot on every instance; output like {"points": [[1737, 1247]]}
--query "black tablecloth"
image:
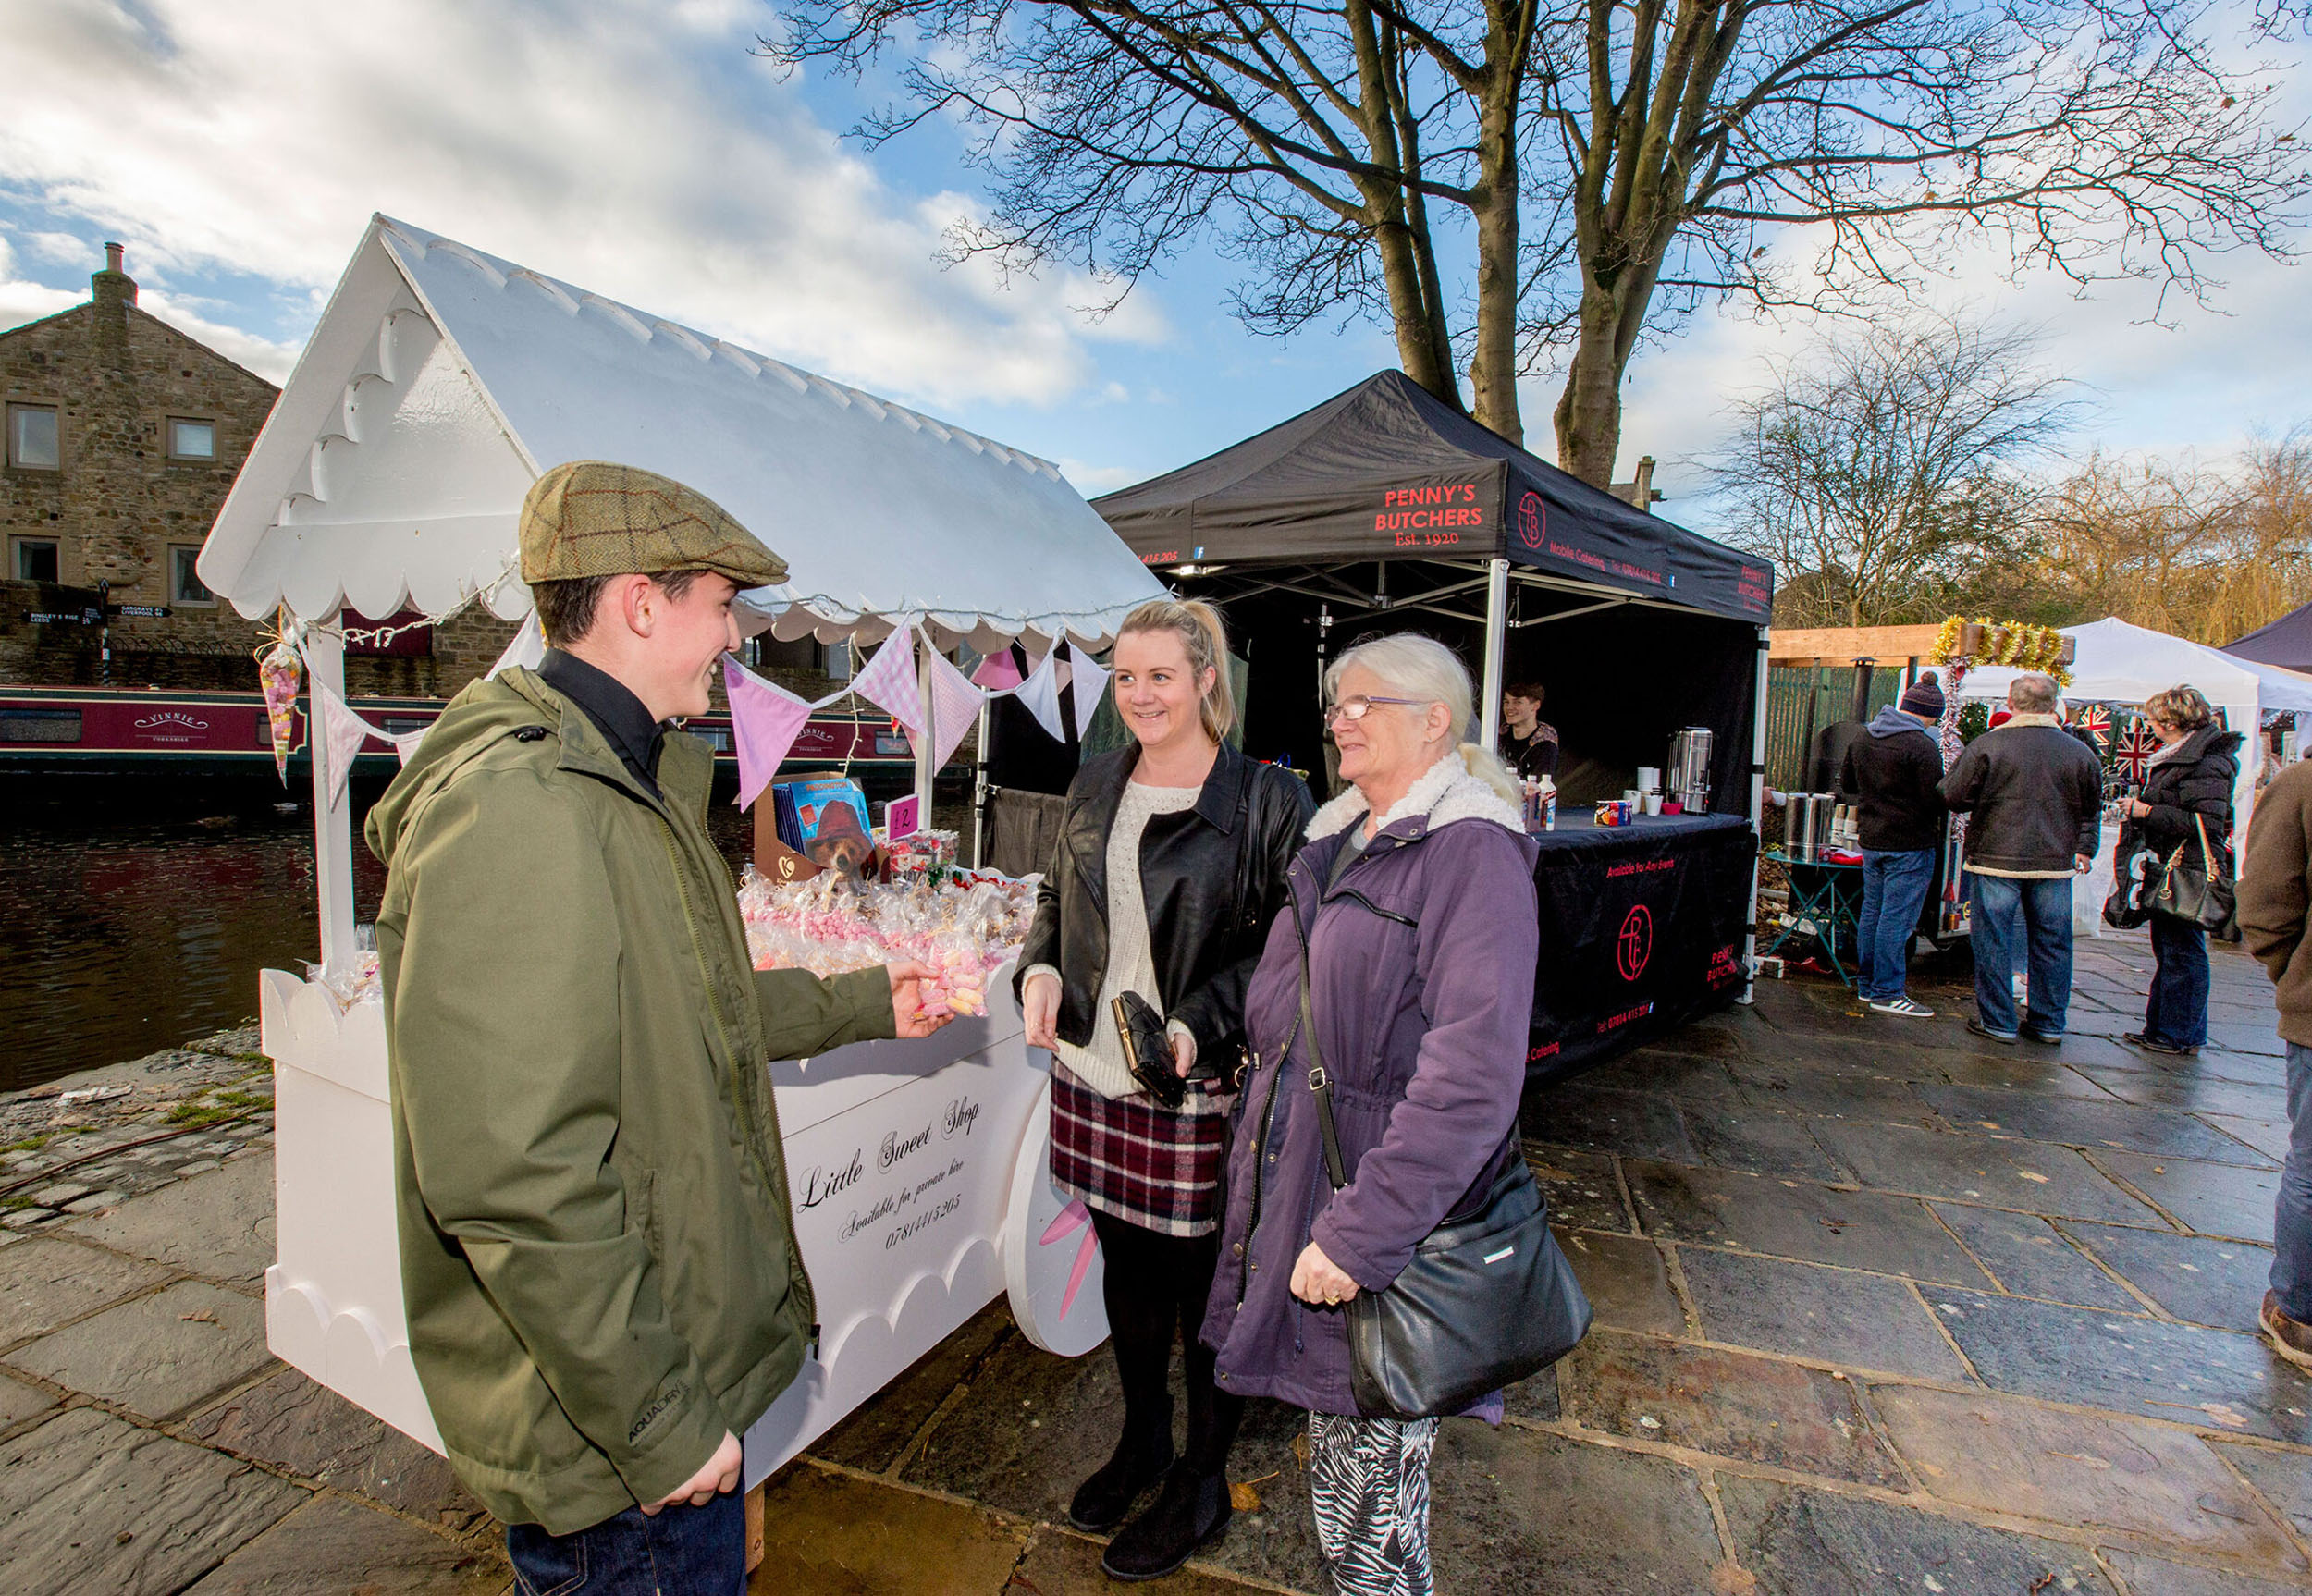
{"points": [[1641, 929]]}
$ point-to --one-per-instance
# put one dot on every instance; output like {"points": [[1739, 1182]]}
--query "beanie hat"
{"points": [[1924, 698]]}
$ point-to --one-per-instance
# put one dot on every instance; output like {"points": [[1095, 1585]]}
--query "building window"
{"points": [[36, 559], [32, 437], [190, 439], [184, 583]]}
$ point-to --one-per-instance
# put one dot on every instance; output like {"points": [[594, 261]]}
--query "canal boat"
{"points": [[91, 731]]}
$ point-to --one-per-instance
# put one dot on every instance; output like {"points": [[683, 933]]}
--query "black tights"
{"points": [[1156, 1284]]}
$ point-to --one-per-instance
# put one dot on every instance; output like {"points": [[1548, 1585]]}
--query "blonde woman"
{"points": [[1169, 864], [1414, 901]]}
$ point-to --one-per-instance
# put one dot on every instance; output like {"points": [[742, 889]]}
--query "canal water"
{"points": [[135, 913]]}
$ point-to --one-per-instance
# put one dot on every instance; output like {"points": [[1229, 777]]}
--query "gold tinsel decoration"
{"points": [[2004, 642]]}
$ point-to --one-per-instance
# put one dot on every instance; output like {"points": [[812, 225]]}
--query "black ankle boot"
{"points": [[1139, 1461], [1191, 1511]]}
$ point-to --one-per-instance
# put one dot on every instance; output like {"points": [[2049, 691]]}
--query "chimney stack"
{"points": [[113, 286]]}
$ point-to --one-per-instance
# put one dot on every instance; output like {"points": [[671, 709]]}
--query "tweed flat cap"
{"points": [[589, 518]]}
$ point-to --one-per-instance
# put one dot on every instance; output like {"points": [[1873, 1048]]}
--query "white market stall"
{"points": [[2122, 663], [438, 384]]}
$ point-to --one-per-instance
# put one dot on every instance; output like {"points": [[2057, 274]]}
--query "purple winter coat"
{"points": [[1422, 981]]}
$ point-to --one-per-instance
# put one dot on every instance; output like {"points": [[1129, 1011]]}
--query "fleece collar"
{"points": [[2014, 720], [1446, 791]]}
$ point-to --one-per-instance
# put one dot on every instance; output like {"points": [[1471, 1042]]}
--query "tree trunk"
{"points": [[1589, 411], [1493, 367]]}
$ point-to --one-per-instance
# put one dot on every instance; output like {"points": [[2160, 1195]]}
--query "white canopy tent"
{"points": [[2121, 663], [438, 384], [441, 382]]}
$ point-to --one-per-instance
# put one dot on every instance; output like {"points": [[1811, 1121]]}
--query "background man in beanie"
{"points": [[1896, 772], [598, 1259], [2036, 798]]}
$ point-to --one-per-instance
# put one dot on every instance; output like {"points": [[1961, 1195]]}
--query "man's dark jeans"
{"points": [[2177, 1013], [682, 1551], [2031, 919], [2292, 1222], [1894, 888]]}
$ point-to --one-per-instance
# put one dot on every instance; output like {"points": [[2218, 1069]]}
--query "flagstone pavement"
{"points": [[1881, 1306]]}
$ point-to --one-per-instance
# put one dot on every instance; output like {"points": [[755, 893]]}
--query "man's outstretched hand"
{"points": [[908, 1011], [720, 1474]]}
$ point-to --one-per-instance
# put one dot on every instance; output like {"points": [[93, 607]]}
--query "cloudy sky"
{"points": [[635, 148]]}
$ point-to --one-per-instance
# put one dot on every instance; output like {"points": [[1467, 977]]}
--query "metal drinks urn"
{"points": [[1687, 771]]}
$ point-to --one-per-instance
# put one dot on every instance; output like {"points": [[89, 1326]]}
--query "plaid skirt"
{"points": [[1137, 1160]]}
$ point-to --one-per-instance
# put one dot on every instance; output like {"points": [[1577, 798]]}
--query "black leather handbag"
{"points": [[1488, 1299], [2199, 891]]}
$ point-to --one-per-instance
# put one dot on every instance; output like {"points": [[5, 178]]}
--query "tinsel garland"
{"points": [[2011, 642]]}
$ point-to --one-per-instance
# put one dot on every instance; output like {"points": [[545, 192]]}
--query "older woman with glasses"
{"points": [[1414, 904]]}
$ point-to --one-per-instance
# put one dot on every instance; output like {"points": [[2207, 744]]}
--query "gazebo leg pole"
{"points": [[333, 826], [980, 796], [1497, 636], [1757, 816], [927, 769]]}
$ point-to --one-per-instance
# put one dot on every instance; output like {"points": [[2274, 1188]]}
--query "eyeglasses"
{"points": [[1358, 706]]}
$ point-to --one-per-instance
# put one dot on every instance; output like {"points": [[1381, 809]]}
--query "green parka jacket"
{"points": [[598, 1256]]}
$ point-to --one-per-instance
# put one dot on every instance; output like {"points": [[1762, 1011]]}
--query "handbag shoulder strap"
{"points": [[1319, 1084]]}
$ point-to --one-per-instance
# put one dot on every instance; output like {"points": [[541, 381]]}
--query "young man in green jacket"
{"points": [[598, 1260]]}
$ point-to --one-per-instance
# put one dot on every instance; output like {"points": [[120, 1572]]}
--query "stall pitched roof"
{"points": [[1387, 470], [2286, 643], [441, 381]]}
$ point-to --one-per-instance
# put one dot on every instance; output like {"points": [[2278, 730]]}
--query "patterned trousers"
{"points": [[1368, 1484]]}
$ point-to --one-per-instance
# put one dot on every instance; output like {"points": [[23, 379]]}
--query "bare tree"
{"points": [[1881, 467], [1514, 184], [2205, 552]]}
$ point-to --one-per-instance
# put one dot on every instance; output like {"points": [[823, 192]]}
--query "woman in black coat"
{"points": [[2189, 789], [1170, 864]]}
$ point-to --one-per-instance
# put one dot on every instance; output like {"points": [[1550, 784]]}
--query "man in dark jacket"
{"points": [[2275, 895], [1896, 771], [2035, 795]]}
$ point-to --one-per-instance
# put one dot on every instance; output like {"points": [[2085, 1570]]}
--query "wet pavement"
{"points": [[1882, 1306]]}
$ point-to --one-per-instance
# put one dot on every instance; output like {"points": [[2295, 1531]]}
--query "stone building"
{"points": [[122, 436]]}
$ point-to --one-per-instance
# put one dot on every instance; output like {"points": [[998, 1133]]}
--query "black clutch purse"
{"points": [[1488, 1299], [1147, 1051]]}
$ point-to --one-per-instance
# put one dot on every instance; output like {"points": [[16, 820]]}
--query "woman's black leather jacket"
{"points": [[1212, 877]]}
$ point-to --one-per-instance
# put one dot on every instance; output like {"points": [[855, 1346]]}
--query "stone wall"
{"points": [[117, 503]]}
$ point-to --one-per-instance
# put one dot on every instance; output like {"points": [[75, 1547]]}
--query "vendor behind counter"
{"points": [[1530, 746]]}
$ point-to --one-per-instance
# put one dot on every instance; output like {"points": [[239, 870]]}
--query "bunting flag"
{"points": [[2094, 719], [889, 680], [2131, 757], [342, 734], [405, 745], [527, 649], [954, 706], [765, 721], [1040, 695], [1090, 685], [998, 672]]}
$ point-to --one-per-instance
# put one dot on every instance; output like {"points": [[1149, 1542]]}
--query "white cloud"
{"points": [[22, 302], [2202, 382], [591, 142], [1091, 481]]}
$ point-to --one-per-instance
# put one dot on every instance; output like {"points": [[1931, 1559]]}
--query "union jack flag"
{"points": [[2131, 759], [2094, 719]]}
